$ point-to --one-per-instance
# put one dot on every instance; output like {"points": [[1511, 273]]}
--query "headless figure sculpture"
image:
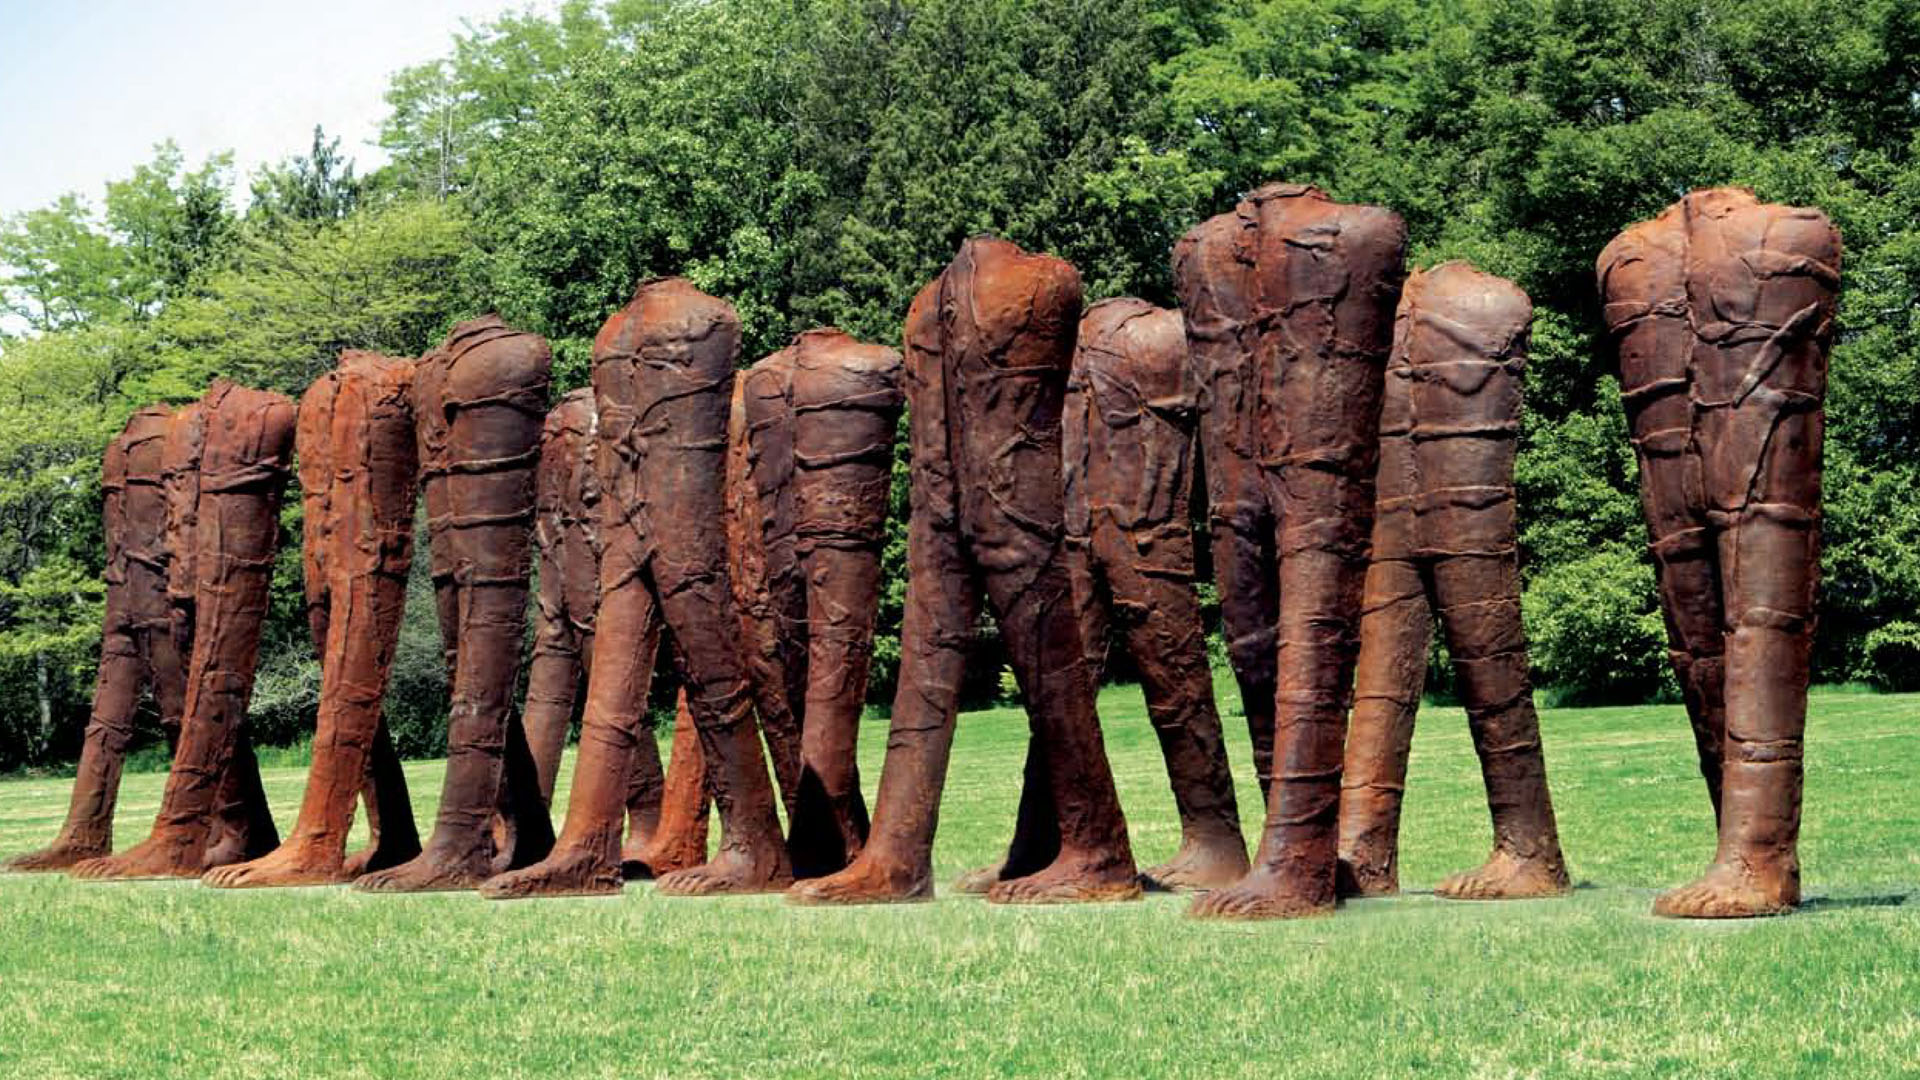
{"points": [[1445, 543], [1721, 310], [819, 420], [138, 652], [478, 403], [566, 533], [355, 444], [988, 345], [234, 525], [663, 376], [1324, 279], [1129, 430]]}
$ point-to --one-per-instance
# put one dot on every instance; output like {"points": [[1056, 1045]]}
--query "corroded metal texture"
{"points": [[478, 403], [213, 811], [1445, 543], [1721, 311], [988, 347], [566, 533], [138, 653], [1317, 282], [355, 445], [663, 377], [674, 835], [814, 432]]}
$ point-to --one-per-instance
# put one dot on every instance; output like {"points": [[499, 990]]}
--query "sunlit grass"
{"points": [[139, 980]]}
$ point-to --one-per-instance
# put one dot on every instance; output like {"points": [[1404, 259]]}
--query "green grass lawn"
{"points": [[145, 979]]}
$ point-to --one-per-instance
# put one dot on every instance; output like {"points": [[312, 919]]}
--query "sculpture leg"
{"points": [[1246, 570], [586, 858], [829, 823], [698, 606], [1044, 646], [363, 631], [942, 608], [1159, 617], [1479, 604], [243, 826], [88, 832], [678, 839], [554, 676], [394, 838], [1326, 514], [1687, 572], [1771, 555], [213, 768], [1396, 629]]}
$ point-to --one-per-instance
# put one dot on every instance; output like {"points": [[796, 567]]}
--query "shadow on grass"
{"points": [[1813, 905]]}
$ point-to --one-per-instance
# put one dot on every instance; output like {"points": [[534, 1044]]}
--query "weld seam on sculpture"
{"points": [[479, 401], [1445, 545], [1290, 301], [227, 470], [988, 346], [663, 377], [1721, 312]]}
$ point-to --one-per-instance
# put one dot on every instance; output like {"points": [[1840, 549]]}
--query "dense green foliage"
{"points": [[166, 979], [816, 160]]}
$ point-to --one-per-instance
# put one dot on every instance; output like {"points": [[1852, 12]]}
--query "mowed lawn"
{"points": [[137, 980]]}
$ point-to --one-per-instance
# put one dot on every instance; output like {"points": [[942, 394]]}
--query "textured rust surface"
{"points": [[479, 401], [810, 472], [663, 378], [1445, 543], [138, 653], [213, 811], [566, 533], [354, 441], [1128, 444], [988, 348], [1721, 312], [1293, 304], [674, 835]]}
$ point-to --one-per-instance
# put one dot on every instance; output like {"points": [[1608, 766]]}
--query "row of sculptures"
{"points": [[1358, 430]]}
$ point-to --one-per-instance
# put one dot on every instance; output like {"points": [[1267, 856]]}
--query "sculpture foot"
{"points": [[1365, 875], [60, 856], [1200, 865], [1262, 894], [298, 863], [1506, 876], [566, 872], [431, 872], [376, 857], [660, 856], [1733, 891], [733, 871], [977, 881], [869, 880], [154, 857], [1072, 879]]}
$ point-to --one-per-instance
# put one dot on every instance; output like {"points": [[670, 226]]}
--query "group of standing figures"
{"points": [[1357, 428]]}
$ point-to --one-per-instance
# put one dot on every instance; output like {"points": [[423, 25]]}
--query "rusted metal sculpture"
{"points": [[988, 345], [478, 403], [357, 465], [673, 836], [567, 536], [1722, 310], [1319, 281], [1129, 432], [224, 490], [814, 454], [1445, 543], [663, 376], [138, 653]]}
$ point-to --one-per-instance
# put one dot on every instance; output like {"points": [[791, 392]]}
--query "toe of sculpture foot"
{"points": [[560, 874], [1724, 893], [1199, 869], [148, 860], [1072, 880], [734, 872], [429, 873], [1508, 877], [1260, 896], [57, 857], [865, 881]]}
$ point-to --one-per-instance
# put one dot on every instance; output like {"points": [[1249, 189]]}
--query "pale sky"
{"points": [[87, 87]]}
